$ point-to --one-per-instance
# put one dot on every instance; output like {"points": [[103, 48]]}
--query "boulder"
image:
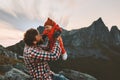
{"points": [[15, 74], [75, 75], [5, 68], [1, 77]]}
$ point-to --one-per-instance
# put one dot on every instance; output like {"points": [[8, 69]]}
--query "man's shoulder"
{"points": [[27, 48]]}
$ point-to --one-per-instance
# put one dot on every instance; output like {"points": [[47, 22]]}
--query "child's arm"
{"points": [[58, 28], [58, 31]]}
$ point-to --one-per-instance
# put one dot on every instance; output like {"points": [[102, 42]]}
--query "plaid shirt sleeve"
{"points": [[54, 54]]}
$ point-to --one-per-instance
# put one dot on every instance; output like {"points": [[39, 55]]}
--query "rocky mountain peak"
{"points": [[115, 33], [99, 32], [100, 20], [114, 28], [98, 23]]}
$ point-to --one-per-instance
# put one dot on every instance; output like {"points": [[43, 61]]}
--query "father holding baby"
{"points": [[36, 57]]}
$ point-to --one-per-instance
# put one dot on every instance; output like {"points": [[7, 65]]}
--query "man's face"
{"points": [[38, 37], [48, 27]]}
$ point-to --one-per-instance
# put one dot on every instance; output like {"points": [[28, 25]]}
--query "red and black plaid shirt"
{"points": [[36, 61]]}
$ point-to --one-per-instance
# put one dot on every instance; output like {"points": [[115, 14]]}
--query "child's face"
{"points": [[48, 27]]}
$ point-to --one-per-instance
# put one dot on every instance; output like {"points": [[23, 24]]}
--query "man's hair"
{"points": [[29, 36]]}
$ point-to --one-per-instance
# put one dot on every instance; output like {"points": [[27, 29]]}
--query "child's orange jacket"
{"points": [[50, 35]]}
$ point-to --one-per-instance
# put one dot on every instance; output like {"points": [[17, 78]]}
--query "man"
{"points": [[36, 58]]}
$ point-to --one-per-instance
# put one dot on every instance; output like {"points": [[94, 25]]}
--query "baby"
{"points": [[52, 30]]}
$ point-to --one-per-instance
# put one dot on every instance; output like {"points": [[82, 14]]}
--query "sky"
{"points": [[16, 16]]}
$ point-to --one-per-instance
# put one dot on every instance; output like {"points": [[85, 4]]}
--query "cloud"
{"points": [[20, 21], [23, 13], [9, 34]]}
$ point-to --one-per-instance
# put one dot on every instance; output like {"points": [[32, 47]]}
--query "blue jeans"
{"points": [[59, 77]]}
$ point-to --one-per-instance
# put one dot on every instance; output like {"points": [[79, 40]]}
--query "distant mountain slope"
{"points": [[89, 41]]}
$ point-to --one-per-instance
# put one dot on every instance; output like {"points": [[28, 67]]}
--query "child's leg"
{"points": [[64, 53], [62, 46]]}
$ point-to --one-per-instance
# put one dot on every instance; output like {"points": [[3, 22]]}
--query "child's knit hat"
{"points": [[49, 22]]}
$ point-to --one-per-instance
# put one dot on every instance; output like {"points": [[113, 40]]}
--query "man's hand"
{"points": [[43, 37]]}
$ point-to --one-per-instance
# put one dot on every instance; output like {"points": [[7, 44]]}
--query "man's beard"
{"points": [[40, 42]]}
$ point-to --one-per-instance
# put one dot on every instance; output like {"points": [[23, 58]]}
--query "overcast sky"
{"points": [[16, 16]]}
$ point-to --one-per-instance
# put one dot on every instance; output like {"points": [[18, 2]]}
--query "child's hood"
{"points": [[50, 22]]}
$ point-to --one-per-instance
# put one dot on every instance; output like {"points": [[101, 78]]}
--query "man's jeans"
{"points": [[59, 77]]}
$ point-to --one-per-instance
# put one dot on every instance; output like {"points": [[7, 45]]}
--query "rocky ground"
{"points": [[12, 68], [20, 73]]}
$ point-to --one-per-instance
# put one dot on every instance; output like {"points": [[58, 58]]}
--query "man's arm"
{"points": [[54, 54]]}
